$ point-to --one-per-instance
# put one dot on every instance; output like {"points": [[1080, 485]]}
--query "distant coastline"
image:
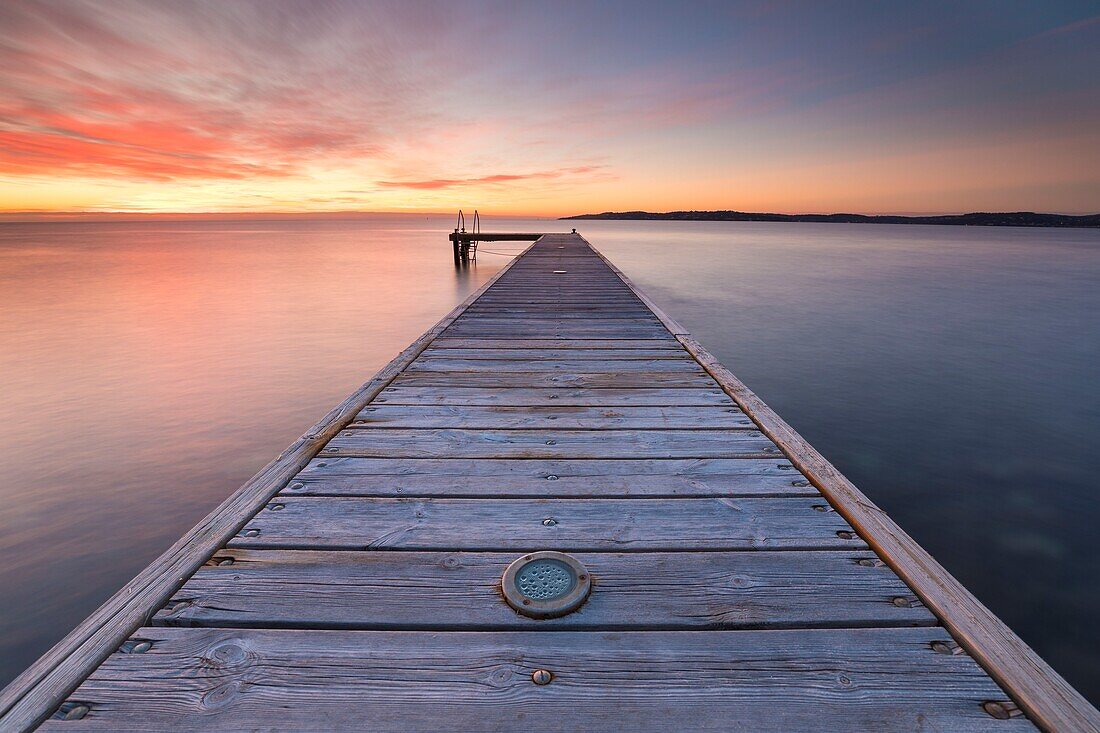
{"points": [[981, 219]]}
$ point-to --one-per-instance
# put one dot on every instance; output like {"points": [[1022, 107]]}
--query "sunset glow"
{"points": [[548, 109]]}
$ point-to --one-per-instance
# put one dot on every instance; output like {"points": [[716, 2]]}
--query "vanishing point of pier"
{"points": [[554, 511]]}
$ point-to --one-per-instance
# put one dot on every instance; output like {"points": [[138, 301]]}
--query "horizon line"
{"points": [[40, 215]]}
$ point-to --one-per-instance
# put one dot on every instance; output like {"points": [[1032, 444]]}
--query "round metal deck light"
{"points": [[546, 584]]}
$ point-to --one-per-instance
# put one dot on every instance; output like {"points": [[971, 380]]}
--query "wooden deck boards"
{"points": [[457, 591], [422, 681], [555, 411]]}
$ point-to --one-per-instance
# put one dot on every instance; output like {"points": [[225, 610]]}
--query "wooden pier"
{"points": [[738, 581], [464, 244]]}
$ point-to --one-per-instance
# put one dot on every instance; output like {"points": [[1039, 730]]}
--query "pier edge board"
{"points": [[1043, 694], [36, 693]]}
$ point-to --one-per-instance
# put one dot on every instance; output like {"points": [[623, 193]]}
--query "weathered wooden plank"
{"points": [[517, 477], [564, 396], [555, 301], [582, 321], [555, 343], [499, 366], [502, 310], [556, 354], [550, 417], [544, 380], [618, 328], [458, 591], [592, 525], [611, 443], [414, 682], [553, 330], [573, 308], [613, 325]]}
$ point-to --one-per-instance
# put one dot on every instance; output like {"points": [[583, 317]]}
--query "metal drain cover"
{"points": [[546, 584]]}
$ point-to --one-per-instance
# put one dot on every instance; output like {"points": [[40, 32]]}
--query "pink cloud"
{"points": [[437, 183], [108, 89]]}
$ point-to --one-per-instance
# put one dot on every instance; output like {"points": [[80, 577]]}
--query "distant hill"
{"points": [[981, 219]]}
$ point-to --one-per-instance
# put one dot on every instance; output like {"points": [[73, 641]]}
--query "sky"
{"points": [[549, 108]]}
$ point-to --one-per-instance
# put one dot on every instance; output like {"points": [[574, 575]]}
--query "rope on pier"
{"points": [[506, 254]]}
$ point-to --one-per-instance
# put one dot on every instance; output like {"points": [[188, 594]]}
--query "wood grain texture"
{"points": [[414, 682], [544, 380], [561, 396], [667, 343], [610, 443], [554, 417], [606, 366], [531, 478], [577, 525], [460, 590], [558, 353]]}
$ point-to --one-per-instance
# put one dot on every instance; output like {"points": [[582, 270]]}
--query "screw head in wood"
{"points": [[946, 647], [551, 442], [846, 535], [868, 562], [551, 477], [549, 522], [1001, 709], [251, 533], [542, 676]]}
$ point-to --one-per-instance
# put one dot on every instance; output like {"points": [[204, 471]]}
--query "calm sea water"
{"points": [[148, 369]]}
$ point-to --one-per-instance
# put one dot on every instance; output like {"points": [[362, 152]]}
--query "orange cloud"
{"points": [[437, 183]]}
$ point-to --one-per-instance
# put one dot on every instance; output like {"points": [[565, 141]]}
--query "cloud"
{"points": [[497, 178], [170, 91], [211, 104]]}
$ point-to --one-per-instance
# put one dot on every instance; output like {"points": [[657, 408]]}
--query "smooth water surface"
{"points": [[148, 369]]}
